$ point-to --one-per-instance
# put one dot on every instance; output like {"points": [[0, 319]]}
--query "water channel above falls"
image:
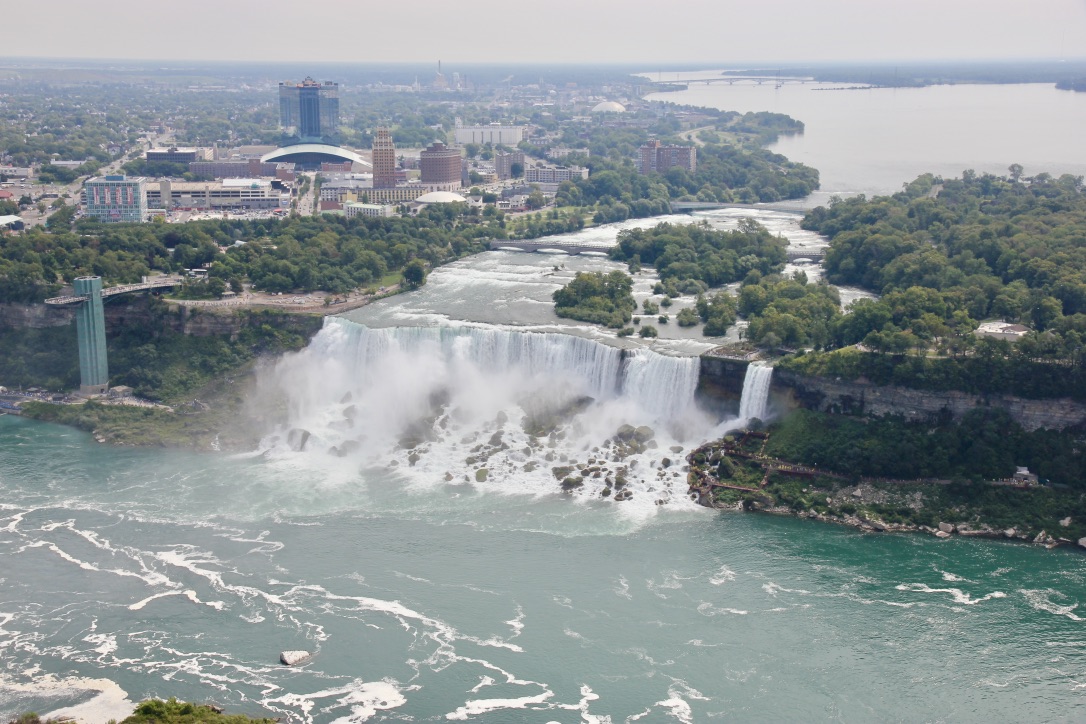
{"points": [[512, 290]]}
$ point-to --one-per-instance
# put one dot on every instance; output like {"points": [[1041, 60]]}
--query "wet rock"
{"points": [[502, 418], [481, 475], [297, 439], [676, 449], [448, 477], [293, 658], [572, 483], [644, 433], [1010, 533], [626, 432], [666, 462], [941, 534], [946, 528], [606, 493], [346, 398], [350, 412], [413, 458]]}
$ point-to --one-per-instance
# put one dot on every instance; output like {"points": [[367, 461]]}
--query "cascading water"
{"points": [[488, 406], [755, 397]]}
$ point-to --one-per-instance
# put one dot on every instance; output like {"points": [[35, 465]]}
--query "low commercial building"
{"points": [[553, 175], [224, 195], [243, 168], [13, 223], [494, 133], [354, 209], [16, 171], [115, 198], [178, 155], [1002, 330]]}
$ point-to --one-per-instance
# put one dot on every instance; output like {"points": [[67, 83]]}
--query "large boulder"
{"points": [[946, 528], [626, 432], [644, 434], [297, 438], [293, 658]]}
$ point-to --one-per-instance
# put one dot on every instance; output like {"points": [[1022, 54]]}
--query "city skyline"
{"points": [[606, 31]]}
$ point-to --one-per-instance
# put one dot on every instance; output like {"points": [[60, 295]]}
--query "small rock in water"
{"points": [[946, 528], [293, 658], [941, 534]]}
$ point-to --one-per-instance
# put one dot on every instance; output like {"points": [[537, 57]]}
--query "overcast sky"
{"points": [[626, 31]]}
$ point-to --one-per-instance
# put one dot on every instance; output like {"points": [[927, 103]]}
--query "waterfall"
{"points": [[755, 391], [484, 406]]}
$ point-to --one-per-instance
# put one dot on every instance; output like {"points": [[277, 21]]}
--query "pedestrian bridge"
{"points": [[160, 283]]}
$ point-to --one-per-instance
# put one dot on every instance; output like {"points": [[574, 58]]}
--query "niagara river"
{"points": [[466, 510]]}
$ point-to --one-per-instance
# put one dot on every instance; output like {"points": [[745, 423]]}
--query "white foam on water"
{"points": [[106, 699], [724, 575], [956, 594], [1041, 600]]}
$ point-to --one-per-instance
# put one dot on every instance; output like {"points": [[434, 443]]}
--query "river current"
{"points": [[365, 530]]}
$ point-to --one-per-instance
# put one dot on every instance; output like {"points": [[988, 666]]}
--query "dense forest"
{"points": [[945, 256], [329, 253], [599, 298]]}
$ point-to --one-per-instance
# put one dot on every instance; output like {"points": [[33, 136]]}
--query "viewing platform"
{"points": [[161, 283]]}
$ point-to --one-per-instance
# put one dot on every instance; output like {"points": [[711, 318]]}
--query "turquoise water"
{"points": [[186, 574]]}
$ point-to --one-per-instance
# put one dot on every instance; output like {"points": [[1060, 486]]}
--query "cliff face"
{"points": [[863, 398], [135, 310], [720, 383]]}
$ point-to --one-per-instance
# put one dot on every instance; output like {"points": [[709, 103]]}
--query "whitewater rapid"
{"points": [[502, 410]]}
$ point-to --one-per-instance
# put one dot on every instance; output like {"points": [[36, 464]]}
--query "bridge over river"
{"points": [[579, 247]]}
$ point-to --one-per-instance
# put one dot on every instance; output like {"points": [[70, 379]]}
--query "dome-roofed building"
{"points": [[609, 107], [310, 156], [440, 197]]}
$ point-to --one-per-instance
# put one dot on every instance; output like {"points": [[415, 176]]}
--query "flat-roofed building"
{"points": [[115, 198], [16, 171], [494, 133], [234, 193], [553, 174], [353, 209], [178, 155], [384, 160], [243, 168], [504, 161], [657, 158]]}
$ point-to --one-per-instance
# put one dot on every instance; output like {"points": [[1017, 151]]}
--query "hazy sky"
{"points": [[694, 31]]}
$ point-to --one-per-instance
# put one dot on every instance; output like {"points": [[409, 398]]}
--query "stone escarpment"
{"points": [[720, 384], [857, 397], [142, 310]]}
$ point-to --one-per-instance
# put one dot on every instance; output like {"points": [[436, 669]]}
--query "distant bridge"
{"points": [[815, 255], [160, 283], [679, 207], [573, 248], [570, 247], [777, 81]]}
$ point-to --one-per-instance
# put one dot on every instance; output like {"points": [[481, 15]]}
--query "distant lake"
{"points": [[873, 140]]}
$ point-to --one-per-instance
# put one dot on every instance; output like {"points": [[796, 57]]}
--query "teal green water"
{"points": [[185, 574]]}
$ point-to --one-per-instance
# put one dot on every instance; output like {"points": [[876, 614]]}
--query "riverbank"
{"points": [[733, 474]]}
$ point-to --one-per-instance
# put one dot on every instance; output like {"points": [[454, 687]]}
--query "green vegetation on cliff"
{"points": [[329, 253], [986, 444]]}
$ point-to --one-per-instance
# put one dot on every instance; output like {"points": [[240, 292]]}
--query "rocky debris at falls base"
{"points": [[731, 475]]}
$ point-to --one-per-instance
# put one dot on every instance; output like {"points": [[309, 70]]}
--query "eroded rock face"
{"points": [[854, 397], [293, 658]]}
